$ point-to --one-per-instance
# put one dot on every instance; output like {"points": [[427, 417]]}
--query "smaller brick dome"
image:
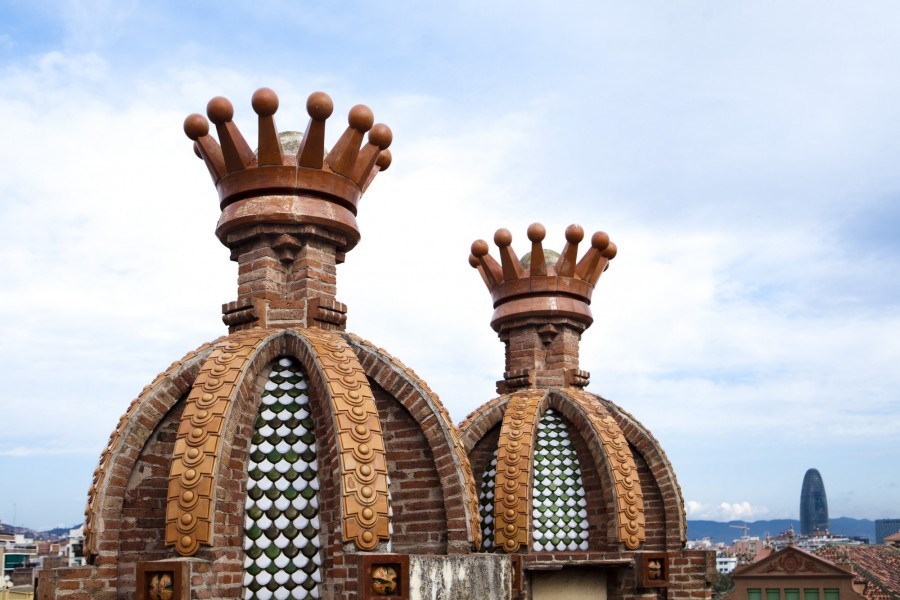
{"points": [[561, 469], [564, 470]]}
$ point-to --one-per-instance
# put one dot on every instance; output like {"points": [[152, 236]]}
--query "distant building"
{"points": [[747, 549], [725, 564], [876, 568], [813, 504], [884, 528], [793, 574]]}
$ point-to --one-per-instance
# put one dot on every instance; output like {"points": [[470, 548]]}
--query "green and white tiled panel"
{"points": [[486, 505], [559, 508], [283, 557]]}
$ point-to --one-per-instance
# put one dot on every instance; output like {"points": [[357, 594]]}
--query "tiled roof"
{"points": [[877, 567]]}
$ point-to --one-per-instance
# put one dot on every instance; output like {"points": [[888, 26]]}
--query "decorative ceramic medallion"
{"points": [[559, 506], [486, 505], [281, 527]]}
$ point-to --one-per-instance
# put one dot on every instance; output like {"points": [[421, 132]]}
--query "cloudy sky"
{"points": [[745, 157]]}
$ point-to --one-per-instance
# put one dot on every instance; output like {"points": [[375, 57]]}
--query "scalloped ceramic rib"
{"points": [[364, 483], [472, 497], [512, 505], [629, 498], [198, 442]]}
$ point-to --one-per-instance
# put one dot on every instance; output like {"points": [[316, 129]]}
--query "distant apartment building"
{"points": [[746, 549], [884, 528], [725, 564], [17, 551]]}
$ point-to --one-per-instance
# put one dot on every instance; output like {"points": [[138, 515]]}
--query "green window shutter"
{"points": [[832, 594], [773, 594], [792, 594], [810, 594], [754, 594]]}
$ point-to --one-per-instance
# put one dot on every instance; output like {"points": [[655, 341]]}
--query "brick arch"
{"points": [[612, 455], [231, 486], [598, 484], [214, 436], [480, 421], [103, 514], [661, 469], [450, 458]]}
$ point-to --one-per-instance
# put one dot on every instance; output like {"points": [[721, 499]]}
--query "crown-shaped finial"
{"points": [[306, 187], [532, 287]]}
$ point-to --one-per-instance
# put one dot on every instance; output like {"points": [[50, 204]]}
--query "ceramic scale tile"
{"points": [[559, 506], [486, 505], [283, 557]]}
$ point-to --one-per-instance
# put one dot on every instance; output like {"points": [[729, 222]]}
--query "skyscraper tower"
{"points": [[813, 504]]}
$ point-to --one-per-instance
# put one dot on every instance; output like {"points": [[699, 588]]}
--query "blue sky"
{"points": [[743, 156]]}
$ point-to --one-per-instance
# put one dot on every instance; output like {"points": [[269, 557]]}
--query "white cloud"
{"points": [[725, 511]]}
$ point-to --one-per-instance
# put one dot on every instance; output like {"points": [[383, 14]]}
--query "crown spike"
{"points": [[380, 137], [476, 264], [196, 127], [490, 270], [512, 267], [536, 233], [381, 164], [593, 263], [311, 153], [237, 152], [565, 266], [265, 103], [342, 158]]}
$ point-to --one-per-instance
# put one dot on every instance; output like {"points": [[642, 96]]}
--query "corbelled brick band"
{"points": [[448, 454]]}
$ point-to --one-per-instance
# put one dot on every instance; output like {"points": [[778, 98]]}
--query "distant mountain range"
{"points": [[50, 534], [727, 532]]}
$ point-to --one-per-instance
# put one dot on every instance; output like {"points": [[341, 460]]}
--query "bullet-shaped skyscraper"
{"points": [[813, 504]]}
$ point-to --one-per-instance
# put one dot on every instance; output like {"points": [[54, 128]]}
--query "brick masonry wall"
{"points": [[143, 524], [440, 435], [599, 499], [526, 347], [690, 572], [654, 511], [76, 583], [661, 470], [420, 522], [480, 456]]}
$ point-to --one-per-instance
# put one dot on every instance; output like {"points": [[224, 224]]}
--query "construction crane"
{"points": [[745, 528]]}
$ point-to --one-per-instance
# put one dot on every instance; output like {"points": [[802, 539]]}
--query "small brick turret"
{"points": [[540, 313], [288, 214]]}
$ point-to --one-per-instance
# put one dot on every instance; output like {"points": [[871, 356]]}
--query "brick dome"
{"points": [[273, 456], [567, 479]]}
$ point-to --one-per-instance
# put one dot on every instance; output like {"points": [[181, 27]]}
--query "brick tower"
{"points": [[572, 487], [288, 458]]}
